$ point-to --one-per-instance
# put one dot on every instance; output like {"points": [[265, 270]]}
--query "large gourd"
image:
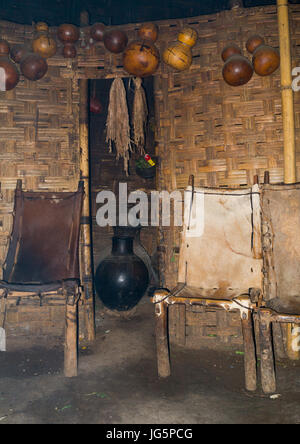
{"points": [[9, 75], [97, 32], [179, 54], [141, 57], [115, 41], [18, 52], [265, 60], [43, 44], [33, 66], [237, 70], [68, 34]]}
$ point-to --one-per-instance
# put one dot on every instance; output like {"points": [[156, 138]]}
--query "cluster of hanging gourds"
{"points": [[238, 69], [32, 60], [140, 57]]}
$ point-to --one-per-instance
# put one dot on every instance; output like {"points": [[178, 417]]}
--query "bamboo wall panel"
{"points": [[38, 135]]}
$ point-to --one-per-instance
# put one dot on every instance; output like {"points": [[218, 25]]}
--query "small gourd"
{"points": [[148, 31], [43, 44], [237, 70], [265, 60], [179, 54]]}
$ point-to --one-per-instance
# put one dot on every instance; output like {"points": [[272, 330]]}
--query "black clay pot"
{"points": [[122, 278]]}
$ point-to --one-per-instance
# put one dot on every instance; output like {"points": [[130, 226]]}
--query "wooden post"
{"points": [[267, 367], [278, 340], [70, 355], [249, 352], [162, 341], [287, 93], [86, 253], [288, 116]]}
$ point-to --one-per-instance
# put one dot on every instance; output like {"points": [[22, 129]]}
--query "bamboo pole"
{"points": [[287, 93], [86, 253], [288, 116]]}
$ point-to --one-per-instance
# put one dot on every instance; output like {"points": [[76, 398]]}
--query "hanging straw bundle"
{"points": [[117, 123], [140, 114]]}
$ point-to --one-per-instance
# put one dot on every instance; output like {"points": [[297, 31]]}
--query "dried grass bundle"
{"points": [[140, 114], [117, 123]]}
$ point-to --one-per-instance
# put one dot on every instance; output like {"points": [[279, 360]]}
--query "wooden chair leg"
{"points": [[268, 377], [162, 339], [70, 358], [278, 340], [249, 352]]}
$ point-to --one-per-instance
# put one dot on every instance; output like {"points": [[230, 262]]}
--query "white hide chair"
{"points": [[220, 265]]}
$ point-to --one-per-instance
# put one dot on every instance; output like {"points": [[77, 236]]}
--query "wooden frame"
{"points": [[163, 298], [70, 298], [266, 318]]}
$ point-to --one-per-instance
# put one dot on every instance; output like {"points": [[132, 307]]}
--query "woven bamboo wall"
{"points": [[38, 144], [38, 134]]}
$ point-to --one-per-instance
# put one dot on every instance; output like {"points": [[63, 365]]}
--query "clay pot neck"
{"points": [[122, 246]]}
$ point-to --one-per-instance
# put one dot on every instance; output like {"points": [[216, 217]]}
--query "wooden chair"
{"points": [[220, 265], [42, 261], [280, 206]]}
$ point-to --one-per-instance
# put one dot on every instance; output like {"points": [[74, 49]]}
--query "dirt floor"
{"points": [[118, 383]]}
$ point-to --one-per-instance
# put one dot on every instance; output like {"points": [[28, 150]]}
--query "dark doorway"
{"points": [[106, 172]]}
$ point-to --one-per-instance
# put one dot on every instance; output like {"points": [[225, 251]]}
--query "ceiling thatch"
{"points": [[112, 12]]}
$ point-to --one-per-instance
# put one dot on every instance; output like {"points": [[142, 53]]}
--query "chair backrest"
{"points": [[45, 237], [221, 255], [281, 243]]}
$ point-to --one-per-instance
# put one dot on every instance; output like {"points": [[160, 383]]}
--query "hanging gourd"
{"points": [[254, 42], [97, 32], [69, 51], [43, 44], [95, 104], [237, 70], [68, 34], [188, 36], [141, 58], [265, 60], [33, 66], [115, 41], [229, 51], [9, 75], [18, 52], [148, 31], [179, 55]]}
